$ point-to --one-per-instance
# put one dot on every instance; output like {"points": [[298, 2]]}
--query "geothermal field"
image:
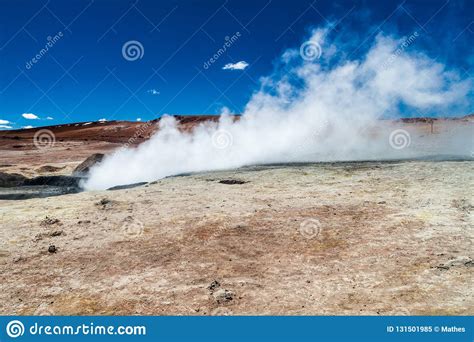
{"points": [[389, 232]]}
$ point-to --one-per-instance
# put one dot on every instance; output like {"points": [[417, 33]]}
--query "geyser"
{"points": [[310, 109]]}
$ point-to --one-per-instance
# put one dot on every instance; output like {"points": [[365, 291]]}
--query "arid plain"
{"points": [[362, 238]]}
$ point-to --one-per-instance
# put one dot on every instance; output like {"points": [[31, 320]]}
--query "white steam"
{"points": [[310, 110]]}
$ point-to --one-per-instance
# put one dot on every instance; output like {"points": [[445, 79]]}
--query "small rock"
{"points": [[232, 181], [223, 296], [48, 221], [18, 259], [105, 203], [52, 249], [214, 285], [241, 226]]}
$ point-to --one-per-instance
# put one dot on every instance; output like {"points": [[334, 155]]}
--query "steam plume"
{"points": [[322, 109]]}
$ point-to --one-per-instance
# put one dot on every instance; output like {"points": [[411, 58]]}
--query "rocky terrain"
{"points": [[364, 238], [73, 143]]}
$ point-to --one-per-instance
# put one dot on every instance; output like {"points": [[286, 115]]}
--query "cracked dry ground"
{"points": [[358, 238]]}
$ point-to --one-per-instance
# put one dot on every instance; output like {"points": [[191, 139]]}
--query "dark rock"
{"points": [[8, 180], [232, 181], [214, 285], [83, 168], [105, 203], [52, 249], [127, 186], [62, 181], [36, 191]]}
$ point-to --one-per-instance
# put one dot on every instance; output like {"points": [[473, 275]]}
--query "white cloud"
{"points": [[153, 92], [102, 120], [49, 118], [5, 126], [4, 122], [30, 116], [139, 119], [236, 66], [27, 127]]}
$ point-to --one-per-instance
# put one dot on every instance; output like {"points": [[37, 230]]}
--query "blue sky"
{"points": [[83, 75]]}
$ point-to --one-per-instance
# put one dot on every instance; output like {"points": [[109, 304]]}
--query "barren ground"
{"points": [[359, 238], [308, 239]]}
